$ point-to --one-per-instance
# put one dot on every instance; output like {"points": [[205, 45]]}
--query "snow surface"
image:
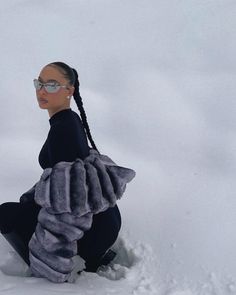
{"points": [[158, 85]]}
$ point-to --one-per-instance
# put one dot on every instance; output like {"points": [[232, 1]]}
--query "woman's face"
{"points": [[53, 102]]}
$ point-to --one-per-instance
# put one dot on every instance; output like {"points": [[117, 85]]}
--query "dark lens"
{"points": [[52, 87]]}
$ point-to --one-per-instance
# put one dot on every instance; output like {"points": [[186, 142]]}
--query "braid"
{"points": [[72, 76], [79, 102]]}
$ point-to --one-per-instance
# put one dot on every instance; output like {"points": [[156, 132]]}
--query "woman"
{"points": [[66, 141]]}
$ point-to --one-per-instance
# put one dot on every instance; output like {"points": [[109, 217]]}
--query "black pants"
{"points": [[22, 218]]}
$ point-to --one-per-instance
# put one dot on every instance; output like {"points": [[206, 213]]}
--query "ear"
{"points": [[71, 90]]}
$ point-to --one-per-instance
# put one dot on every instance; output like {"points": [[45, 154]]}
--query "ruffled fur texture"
{"points": [[69, 194]]}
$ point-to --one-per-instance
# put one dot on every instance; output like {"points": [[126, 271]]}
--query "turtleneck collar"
{"points": [[60, 116]]}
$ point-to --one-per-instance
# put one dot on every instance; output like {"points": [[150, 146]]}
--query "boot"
{"points": [[16, 241], [108, 257], [104, 260]]}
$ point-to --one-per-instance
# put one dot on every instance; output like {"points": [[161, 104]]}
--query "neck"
{"points": [[54, 111]]}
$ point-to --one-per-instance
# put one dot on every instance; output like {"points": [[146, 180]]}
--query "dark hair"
{"points": [[72, 76]]}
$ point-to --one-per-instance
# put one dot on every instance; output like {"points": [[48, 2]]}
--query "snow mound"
{"points": [[131, 268], [13, 265], [133, 263]]}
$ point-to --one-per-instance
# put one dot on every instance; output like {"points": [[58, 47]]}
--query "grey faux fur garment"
{"points": [[69, 194]]}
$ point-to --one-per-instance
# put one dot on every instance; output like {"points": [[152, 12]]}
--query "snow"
{"points": [[158, 86]]}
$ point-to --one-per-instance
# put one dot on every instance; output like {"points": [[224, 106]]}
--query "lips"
{"points": [[42, 100]]}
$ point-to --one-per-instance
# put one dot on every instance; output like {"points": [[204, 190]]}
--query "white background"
{"points": [[158, 85]]}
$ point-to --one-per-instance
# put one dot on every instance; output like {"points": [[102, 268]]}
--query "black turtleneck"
{"points": [[66, 139]]}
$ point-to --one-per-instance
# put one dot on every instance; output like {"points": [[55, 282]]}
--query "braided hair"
{"points": [[72, 76]]}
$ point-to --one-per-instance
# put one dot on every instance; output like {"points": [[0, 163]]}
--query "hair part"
{"points": [[72, 76], [65, 70]]}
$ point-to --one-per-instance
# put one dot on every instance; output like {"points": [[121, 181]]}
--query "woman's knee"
{"points": [[8, 212], [8, 208]]}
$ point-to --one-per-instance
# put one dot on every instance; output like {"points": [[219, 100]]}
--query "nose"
{"points": [[42, 90]]}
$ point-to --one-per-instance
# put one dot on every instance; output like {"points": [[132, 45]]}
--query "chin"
{"points": [[43, 106]]}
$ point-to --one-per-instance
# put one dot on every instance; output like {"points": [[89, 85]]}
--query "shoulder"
{"points": [[68, 125], [68, 131]]}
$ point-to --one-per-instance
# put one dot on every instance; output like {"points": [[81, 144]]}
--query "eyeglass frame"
{"points": [[47, 84]]}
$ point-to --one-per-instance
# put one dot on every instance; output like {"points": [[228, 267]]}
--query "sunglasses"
{"points": [[50, 87]]}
